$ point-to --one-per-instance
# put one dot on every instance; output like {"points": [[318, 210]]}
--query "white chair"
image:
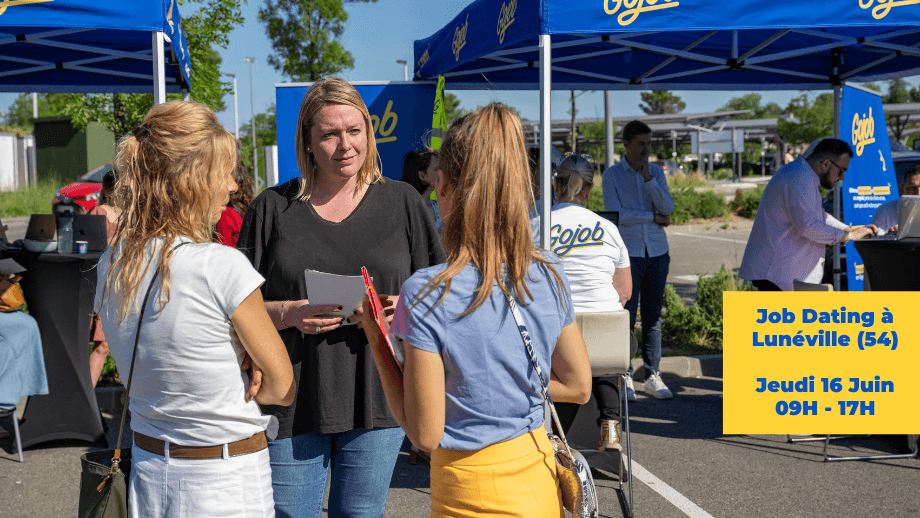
{"points": [[798, 285], [607, 337]]}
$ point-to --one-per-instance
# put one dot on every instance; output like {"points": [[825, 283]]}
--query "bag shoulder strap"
{"points": [[528, 346], [140, 319]]}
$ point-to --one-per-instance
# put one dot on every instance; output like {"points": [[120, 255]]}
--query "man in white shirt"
{"points": [[886, 216], [639, 192], [791, 229]]}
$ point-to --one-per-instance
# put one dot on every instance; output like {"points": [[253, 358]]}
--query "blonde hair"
{"points": [[168, 173], [321, 94], [572, 175], [484, 160]]}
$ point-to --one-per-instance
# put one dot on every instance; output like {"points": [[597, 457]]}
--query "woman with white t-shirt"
{"points": [[199, 437], [596, 263]]}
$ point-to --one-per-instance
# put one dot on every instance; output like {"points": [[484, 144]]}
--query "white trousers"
{"points": [[237, 487]]}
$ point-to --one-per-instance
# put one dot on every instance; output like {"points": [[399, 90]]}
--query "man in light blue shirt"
{"points": [[639, 192]]}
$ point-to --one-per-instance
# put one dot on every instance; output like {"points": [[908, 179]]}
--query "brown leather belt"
{"points": [[251, 445]]}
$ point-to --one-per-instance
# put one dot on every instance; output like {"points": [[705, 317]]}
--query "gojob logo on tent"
{"points": [[460, 37], [9, 3], [884, 6], [505, 19], [633, 8]]}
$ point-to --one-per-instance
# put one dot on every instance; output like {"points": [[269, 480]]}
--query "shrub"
{"points": [[746, 203], [689, 204], [681, 180], [698, 328], [596, 200], [722, 173]]}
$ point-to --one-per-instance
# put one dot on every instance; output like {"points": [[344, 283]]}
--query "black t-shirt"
{"points": [[391, 233]]}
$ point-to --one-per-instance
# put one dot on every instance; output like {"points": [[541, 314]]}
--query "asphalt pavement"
{"points": [[683, 464]]}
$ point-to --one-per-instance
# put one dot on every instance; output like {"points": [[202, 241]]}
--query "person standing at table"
{"points": [[791, 229], [886, 216], [470, 393], [639, 191], [200, 441], [338, 216]]}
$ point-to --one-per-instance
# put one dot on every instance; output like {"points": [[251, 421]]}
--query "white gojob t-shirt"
{"points": [[591, 249], [188, 388]]}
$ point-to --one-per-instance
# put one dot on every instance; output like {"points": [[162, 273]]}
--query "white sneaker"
{"points": [[610, 435], [656, 388], [630, 389]]}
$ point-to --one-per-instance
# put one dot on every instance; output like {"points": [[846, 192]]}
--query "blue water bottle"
{"points": [[65, 233]]}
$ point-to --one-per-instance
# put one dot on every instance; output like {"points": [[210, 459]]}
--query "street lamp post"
{"points": [[252, 107], [405, 65], [236, 109]]}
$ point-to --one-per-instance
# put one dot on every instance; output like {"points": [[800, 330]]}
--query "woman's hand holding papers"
{"points": [[311, 319]]}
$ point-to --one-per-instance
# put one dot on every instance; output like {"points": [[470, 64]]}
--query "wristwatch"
{"points": [[846, 236]]}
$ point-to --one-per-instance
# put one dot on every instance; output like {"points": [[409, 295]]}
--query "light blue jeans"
{"points": [[359, 461]]}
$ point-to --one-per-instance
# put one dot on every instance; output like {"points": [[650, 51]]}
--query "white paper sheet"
{"points": [[342, 290]]}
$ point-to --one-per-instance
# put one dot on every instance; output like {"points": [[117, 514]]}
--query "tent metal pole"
{"points": [[838, 98], [546, 137], [608, 127], [159, 70], [186, 95]]}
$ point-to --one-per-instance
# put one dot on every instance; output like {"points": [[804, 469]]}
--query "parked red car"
{"points": [[81, 196]]}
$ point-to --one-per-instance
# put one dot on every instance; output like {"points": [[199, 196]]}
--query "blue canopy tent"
{"points": [[87, 46], [670, 45]]}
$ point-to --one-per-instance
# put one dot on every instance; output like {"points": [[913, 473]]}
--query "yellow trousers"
{"points": [[512, 478]]}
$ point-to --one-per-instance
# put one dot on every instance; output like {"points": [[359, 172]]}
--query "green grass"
{"points": [[35, 199]]}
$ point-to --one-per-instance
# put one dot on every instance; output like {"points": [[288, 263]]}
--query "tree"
{"points": [[751, 102], [661, 102], [265, 136], [452, 108], [816, 119], [594, 143], [304, 34], [19, 114], [898, 93], [573, 134]]}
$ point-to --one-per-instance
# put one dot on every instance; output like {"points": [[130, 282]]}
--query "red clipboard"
{"points": [[391, 358]]}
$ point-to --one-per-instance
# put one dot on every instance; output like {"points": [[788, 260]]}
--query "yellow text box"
{"points": [[802, 363]]}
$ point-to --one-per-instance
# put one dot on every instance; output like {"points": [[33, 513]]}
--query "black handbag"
{"points": [[103, 480]]}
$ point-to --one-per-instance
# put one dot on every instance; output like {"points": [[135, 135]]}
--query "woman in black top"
{"points": [[339, 216]]}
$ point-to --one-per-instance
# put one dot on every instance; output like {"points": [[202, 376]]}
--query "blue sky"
{"points": [[378, 34]]}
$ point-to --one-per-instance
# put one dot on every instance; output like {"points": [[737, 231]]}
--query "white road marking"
{"points": [[710, 237], [671, 495]]}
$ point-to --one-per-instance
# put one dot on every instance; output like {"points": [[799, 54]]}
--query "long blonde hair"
{"points": [[321, 94], [572, 175], [483, 158], [168, 171]]}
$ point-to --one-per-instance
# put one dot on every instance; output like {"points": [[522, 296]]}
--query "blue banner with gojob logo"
{"points": [[400, 116], [870, 180]]}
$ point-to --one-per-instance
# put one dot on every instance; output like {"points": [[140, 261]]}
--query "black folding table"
{"points": [[59, 291]]}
